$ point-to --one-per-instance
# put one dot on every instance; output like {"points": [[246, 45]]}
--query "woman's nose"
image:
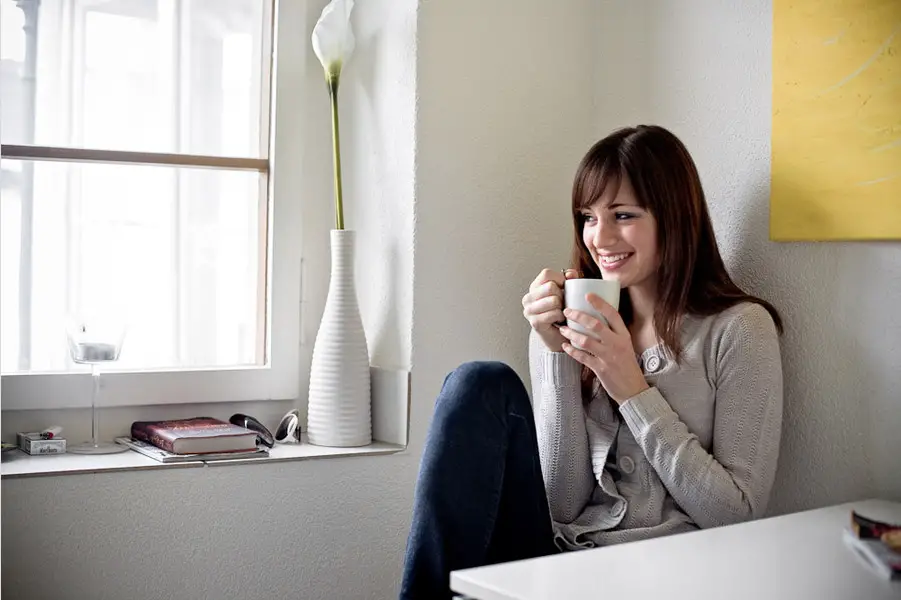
{"points": [[604, 235]]}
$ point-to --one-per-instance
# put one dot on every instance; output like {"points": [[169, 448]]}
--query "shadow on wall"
{"points": [[375, 184], [386, 327], [825, 454]]}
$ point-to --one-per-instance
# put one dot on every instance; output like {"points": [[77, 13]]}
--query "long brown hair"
{"points": [[692, 278]]}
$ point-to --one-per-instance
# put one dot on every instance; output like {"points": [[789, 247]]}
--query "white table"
{"points": [[797, 556]]}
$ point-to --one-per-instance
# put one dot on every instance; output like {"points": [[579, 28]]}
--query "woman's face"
{"points": [[622, 237]]}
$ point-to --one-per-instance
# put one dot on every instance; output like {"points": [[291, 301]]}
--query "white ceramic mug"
{"points": [[574, 296]]}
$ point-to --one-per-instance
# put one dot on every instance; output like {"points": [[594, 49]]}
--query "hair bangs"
{"points": [[594, 180]]}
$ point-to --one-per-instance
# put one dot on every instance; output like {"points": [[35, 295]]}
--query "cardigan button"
{"points": [[627, 465], [653, 364]]}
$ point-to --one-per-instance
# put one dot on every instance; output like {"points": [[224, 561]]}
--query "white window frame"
{"points": [[279, 378]]}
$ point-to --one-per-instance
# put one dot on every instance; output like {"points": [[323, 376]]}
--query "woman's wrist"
{"points": [[640, 389], [552, 340]]}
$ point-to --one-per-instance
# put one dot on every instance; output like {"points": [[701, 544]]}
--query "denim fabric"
{"points": [[480, 497]]}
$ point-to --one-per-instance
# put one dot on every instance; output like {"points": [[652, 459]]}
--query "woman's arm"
{"points": [[560, 425], [732, 483]]}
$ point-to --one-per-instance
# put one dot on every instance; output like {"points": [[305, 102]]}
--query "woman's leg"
{"points": [[480, 497]]}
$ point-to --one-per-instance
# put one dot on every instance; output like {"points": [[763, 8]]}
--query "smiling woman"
{"points": [[644, 181], [619, 233], [660, 418]]}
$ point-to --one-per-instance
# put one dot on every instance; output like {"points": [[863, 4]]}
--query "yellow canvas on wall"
{"points": [[836, 141]]}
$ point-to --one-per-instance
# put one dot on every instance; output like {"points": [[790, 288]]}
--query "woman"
{"points": [[670, 419]]}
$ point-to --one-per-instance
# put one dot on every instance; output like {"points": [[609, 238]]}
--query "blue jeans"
{"points": [[480, 497]]}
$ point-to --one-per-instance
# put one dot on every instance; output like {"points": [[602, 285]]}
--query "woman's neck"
{"points": [[643, 298]]}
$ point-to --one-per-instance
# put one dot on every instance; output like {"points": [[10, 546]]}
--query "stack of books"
{"points": [[877, 543], [197, 438]]}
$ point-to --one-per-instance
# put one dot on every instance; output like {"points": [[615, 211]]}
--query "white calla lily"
{"points": [[333, 37], [333, 43]]}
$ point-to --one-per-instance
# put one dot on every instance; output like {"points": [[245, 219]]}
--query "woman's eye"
{"points": [[624, 216], [586, 218]]}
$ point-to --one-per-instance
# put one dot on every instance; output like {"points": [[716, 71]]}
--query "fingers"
{"points": [[546, 276], [597, 338], [587, 343], [543, 305], [544, 312], [581, 356], [545, 320], [593, 324], [545, 290], [614, 321]]}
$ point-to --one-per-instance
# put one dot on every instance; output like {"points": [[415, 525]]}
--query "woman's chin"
{"points": [[614, 276]]}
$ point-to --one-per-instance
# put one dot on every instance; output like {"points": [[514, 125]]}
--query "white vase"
{"points": [[339, 412]]}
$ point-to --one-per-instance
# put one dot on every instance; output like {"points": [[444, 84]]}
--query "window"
{"points": [[136, 187]]}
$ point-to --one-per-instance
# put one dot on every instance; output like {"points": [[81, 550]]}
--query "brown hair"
{"points": [[692, 278]]}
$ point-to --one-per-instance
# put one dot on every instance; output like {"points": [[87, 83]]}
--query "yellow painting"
{"points": [[836, 141]]}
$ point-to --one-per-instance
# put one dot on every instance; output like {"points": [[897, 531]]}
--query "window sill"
{"points": [[17, 464], [390, 427]]}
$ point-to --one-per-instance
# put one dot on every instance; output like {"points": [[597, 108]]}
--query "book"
{"points": [[877, 555], [168, 457], [867, 528], [197, 435]]}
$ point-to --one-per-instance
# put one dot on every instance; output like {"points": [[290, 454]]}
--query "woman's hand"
{"points": [[542, 306], [611, 357]]}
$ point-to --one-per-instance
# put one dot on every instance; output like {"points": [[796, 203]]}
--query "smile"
{"points": [[612, 261]]}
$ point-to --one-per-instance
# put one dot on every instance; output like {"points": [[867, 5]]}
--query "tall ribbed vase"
{"points": [[339, 412]]}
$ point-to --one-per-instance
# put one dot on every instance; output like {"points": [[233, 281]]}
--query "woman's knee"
{"points": [[490, 384]]}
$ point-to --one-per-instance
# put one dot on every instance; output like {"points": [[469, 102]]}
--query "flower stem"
{"points": [[336, 151]]}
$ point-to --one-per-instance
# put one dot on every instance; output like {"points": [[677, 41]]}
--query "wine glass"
{"points": [[95, 343]]}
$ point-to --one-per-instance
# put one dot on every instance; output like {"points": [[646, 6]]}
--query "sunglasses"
{"points": [[264, 436], [288, 429]]}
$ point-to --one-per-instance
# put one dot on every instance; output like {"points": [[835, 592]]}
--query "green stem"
{"points": [[336, 151]]}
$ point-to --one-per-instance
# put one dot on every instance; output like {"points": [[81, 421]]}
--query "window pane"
{"points": [[10, 225], [173, 76], [177, 253]]}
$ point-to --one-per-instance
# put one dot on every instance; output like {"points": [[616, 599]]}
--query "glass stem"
{"points": [[95, 414]]}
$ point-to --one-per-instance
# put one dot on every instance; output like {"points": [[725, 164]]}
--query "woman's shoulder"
{"points": [[741, 314], [743, 323], [746, 313]]}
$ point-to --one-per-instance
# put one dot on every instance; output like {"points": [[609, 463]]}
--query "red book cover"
{"points": [[197, 435]]}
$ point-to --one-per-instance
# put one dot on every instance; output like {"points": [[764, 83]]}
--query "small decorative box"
{"points": [[35, 443]]}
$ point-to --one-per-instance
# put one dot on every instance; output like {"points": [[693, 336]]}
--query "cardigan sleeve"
{"points": [[732, 482], [560, 427]]}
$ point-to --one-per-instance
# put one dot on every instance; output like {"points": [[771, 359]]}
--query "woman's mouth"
{"points": [[611, 262]]}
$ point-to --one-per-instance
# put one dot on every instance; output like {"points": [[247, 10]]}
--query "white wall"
{"points": [[326, 529], [703, 69], [505, 100]]}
